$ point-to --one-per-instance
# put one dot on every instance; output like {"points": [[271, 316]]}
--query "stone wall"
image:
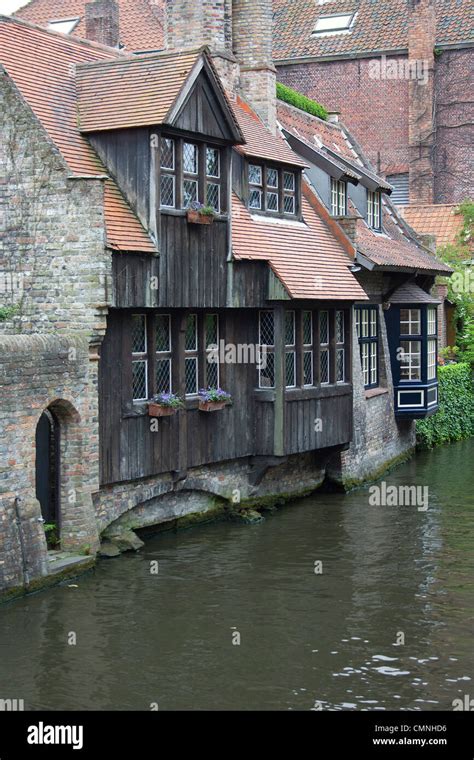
{"points": [[54, 231], [379, 439], [58, 373]]}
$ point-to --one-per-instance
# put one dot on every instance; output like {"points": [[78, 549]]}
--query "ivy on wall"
{"points": [[455, 418]]}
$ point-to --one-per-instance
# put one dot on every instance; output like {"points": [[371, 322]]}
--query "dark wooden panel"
{"points": [[134, 278], [202, 114]]}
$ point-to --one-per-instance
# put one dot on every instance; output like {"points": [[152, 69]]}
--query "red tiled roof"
{"points": [[140, 20], [393, 249], [305, 256], [259, 141], [131, 91], [439, 220], [41, 64], [380, 25]]}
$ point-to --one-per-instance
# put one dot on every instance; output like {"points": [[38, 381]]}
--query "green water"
{"points": [[305, 638]]}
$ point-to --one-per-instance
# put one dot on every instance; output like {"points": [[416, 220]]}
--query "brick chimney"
{"points": [[102, 22], [252, 31], [421, 43]]}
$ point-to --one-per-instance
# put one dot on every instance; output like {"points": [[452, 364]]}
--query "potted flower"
{"points": [[164, 405], [198, 213], [212, 399]]}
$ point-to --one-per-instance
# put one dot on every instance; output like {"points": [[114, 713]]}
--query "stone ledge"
{"points": [[373, 392]]}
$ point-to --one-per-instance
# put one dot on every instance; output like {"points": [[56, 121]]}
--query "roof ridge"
{"points": [[128, 57], [81, 41]]}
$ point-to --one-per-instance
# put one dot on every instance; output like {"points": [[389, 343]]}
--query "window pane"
{"points": [[323, 327], [308, 367], [431, 321], [290, 369], [365, 363], [267, 373], [373, 363], [167, 190], [340, 365], [410, 360], [212, 374], [432, 345], [255, 200], [373, 323], [255, 174], [212, 330], [289, 204], [191, 375], [139, 380], [163, 376], [324, 365], [272, 201], [272, 178], [162, 326], [410, 321], [288, 181], [138, 333], [190, 192], [289, 328], [267, 333], [167, 153], [365, 323], [331, 23], [190, 158], [213, 196], [190, 342], [307, 328], [357, 320], [340, 326], [212, 162]]}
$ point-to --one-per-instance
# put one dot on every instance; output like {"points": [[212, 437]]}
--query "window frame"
{"points": [[338, 203], [265, 189], [367, 332], [374, 210], [202, 179]]}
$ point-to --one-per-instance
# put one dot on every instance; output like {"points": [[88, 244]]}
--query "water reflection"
{"points": [[389, 574]]}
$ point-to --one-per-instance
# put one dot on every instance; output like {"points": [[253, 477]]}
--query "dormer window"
{"points": [[373, 209], [338, 197], [191, 172], [272, 190], [64, 25]]}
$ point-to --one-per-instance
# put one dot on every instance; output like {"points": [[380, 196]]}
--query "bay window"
{"points": [[366, 319]]}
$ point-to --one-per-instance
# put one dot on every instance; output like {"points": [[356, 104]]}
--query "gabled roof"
{"points": [[41, 65], [395, 249], [439, 220], [141, 25], [136, 91], [306, 256], [380, 26]]}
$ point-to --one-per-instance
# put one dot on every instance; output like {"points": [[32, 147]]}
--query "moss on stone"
{"points": [[350, 484], [46, 581]]}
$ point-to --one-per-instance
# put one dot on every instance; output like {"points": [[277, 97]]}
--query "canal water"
{"points": [[239, 617]]}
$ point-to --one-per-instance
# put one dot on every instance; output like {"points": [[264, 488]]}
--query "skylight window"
{"points": [[64, 25], [335, 23]]}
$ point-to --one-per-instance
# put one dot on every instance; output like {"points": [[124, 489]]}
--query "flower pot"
{"points": [[158, 410], [211, 406], [194, 217]]}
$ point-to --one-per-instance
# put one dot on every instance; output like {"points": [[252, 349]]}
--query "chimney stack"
{"points": [[252, 31], [102, 22], [421, 43]]}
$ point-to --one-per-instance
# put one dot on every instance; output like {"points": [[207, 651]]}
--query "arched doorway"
{"points": [[48, 475]]}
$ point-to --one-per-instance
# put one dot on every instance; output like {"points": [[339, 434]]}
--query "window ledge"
{"points": [[222, 217], [372, 392]]}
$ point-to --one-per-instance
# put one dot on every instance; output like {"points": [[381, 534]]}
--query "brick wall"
{"points": [[375, 110], [191, 23], [454, 114], [102, 22]]}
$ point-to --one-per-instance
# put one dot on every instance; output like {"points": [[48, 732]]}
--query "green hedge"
{"points": [[455, 418], [288, 95]]}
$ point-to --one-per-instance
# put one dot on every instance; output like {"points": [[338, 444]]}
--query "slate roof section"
{"points": [[439, 220], [379, 26], [412, 293], [305, 256], [141, 25], [42, 67]]}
